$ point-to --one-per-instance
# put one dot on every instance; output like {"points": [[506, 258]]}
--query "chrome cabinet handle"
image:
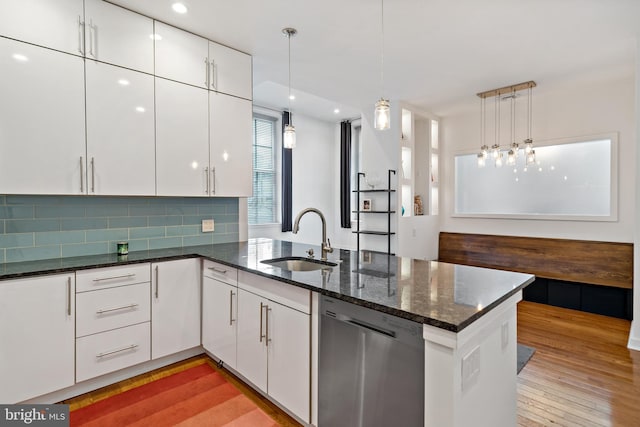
{"points": [[157, 281], [93, 176], [81, 175], [217, 270], [91, 38], [266, 332], [109, 310], [261, 336], [125, 276], [206, 71], [80, 35], [69, 296], [213, 180], [206, 178], [214, 80], [231, 294], [120, 350]]}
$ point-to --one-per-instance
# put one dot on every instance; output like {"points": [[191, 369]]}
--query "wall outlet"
{"points": [[207, 225], [470, 368]]}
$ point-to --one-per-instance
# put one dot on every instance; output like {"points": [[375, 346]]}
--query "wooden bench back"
{"points": [[597, 263]]}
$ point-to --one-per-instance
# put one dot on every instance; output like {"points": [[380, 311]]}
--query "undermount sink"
{"points": [[294, 263]]}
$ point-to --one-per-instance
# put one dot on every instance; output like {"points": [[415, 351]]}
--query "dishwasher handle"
{"points": [[366, 325]]}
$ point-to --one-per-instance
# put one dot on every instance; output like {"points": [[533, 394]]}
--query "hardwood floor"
{"points": [[582, 374]]}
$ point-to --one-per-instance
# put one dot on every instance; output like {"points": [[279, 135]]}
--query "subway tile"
{"points": [[18, 240], [31, 225], [83, 223], [232, 228], [203, 239], [16, 212], [2, 226], [233, 206], [85, 249], [32, 254], [194, 219], [106, 235], [3, 200], [170, 242], [147, 210], [33, 200], [108, 210], [183, 230], [225, 238], [59, 237], [59, 211], [225, 219], [165, 220], [146, 232], [182, 210], [2, 258], [211, 209], [126, 222], [138, 245]]}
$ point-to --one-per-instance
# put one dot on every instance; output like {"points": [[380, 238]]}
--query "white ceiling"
{"points": [[437, 53]]}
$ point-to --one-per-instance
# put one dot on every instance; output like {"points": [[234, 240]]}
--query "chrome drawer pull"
{"points": [[217, 270], [261, 306], [109, 310], [126, 276], [131, 347], [231, 294], [69, 296]]}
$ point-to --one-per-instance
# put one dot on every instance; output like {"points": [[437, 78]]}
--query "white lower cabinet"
{"points": [[220, 319], [175, 306], [37, 322], [274, 340]]}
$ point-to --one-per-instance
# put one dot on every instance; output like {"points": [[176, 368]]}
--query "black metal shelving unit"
{"points": [[389, 191]]}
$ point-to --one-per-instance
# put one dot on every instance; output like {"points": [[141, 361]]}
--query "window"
{"points": [[262, 206]]}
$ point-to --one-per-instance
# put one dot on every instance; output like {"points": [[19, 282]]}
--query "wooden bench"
{"points": [[597, 263]]}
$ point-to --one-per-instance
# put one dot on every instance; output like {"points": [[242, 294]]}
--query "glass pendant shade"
{"points": [[528, 145], [499, 161], [511, 157], [495, 151], [531, 157], [484, 151], [382, 120], [289, 139], [481, 160]]}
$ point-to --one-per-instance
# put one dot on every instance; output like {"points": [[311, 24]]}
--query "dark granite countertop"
{"points": [[447, 296]]}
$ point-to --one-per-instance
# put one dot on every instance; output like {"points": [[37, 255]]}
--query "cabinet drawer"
{"points": [[113, 308], [289, 295], [221, 272], [110, 351], [102, 278]]}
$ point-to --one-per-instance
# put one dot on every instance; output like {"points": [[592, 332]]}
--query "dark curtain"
{"points": [[287, 214], [345, 174]]}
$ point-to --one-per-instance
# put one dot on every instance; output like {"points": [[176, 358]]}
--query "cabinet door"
{"points": [[181, 56], [289, 358], [120, 131], [230, 133], [182, 139], [118, 36], [54, 24], [230, 71], [252, 350], [175, 306], [37, 318], [219, 319], [42, 128]]}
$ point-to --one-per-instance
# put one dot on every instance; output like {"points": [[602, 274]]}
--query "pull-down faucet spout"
{"points": [[326, 243]]}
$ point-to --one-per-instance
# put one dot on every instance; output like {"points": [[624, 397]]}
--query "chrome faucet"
{"points": [[326, 243]]}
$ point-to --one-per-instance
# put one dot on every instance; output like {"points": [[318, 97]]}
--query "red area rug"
{"points": [[198, 396]]}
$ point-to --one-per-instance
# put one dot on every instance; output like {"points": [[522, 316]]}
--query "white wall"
{"points": [[314, 171], [581, 106]]}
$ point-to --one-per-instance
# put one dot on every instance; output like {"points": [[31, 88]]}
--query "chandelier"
{"points": [[510, 152]]}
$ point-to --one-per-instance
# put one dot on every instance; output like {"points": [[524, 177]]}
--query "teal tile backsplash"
{"points": [[42, 227]]}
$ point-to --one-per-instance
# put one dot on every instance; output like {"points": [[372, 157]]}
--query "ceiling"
{"points": [[437, 53]]}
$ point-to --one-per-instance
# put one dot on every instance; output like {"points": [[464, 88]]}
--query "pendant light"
{"points": [[495, 148], [530, 153], [512, 154], [382, 115], [289, 137], [484, 149]]}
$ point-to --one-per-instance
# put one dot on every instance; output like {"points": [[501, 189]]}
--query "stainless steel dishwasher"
{"points": [[371, 368]]}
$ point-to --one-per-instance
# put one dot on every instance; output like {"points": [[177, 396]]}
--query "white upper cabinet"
{"points": [[118, 36], [42, 130], [231, 157], [54, 24], [182, 139], [231, 71], [181, 56], [120, 131]]}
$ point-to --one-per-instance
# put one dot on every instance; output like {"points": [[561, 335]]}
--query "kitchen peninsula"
{"points": [[468, 316]]}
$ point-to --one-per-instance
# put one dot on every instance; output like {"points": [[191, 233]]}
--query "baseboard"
{"points": [[634, 336]]}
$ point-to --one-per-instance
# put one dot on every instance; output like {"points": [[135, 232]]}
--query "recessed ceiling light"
{"points": [[292, 97], [123, 82], [336, 111], [179, 8], [155, 36], [20, 57]]}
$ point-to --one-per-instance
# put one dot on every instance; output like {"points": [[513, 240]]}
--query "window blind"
{"points": [[262, 206]]}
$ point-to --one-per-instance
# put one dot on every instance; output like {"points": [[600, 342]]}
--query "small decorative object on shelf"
{"points": [[372, 180], [366, 205], [418, 208]]}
